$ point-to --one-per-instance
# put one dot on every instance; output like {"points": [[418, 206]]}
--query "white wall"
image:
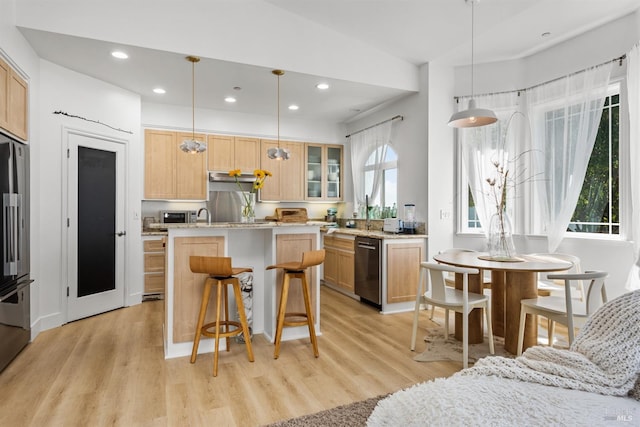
{"points": [[595, 47], [65, 90]]}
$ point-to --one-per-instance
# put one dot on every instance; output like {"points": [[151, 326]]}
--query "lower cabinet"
{"points": [[154, 266], [188, 286], [403, 270], [339, 262]]}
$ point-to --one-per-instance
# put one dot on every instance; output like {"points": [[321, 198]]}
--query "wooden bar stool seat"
{"points": [[220, 274], [296, 270]]}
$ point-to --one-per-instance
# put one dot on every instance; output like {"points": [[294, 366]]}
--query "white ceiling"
{"points": [[410, 31]]}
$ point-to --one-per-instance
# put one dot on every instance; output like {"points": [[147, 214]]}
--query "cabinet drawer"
{"points": [[153, 245], [153, 283], [338, 243], [154, 263], [345, 244]]}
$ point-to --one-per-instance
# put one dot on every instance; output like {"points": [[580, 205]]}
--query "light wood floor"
{"points": [[110, 370]]}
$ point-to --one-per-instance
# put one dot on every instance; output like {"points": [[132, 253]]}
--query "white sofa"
{"points": [[596, 382]]}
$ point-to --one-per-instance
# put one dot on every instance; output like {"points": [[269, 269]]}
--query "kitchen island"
{"points": [[255, 245]]}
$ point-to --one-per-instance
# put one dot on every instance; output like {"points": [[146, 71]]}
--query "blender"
{"points": [[409, 222]]}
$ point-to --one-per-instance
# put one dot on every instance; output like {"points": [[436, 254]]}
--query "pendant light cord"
{"points": [[193, 100], [278, 110], [473, 2]]}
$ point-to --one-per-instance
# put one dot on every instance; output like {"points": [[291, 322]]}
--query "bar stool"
{"points": [[296, 270], [221, 274]]}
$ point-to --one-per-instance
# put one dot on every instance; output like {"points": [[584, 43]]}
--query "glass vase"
{"points": [[500, 244], [248, 213]]}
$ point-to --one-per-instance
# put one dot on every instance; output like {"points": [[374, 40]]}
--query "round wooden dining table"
{"points": [[511, 282]]}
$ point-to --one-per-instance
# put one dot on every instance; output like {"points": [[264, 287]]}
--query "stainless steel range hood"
{"points": [[224, 177]]}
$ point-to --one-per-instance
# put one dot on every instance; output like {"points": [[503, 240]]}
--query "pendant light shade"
{"points": [[278, 153], [191, 145], [472, 116]]}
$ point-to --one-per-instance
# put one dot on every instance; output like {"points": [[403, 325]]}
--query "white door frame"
{"points": [[93, 304]]}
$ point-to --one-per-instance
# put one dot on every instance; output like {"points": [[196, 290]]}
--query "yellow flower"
{"points": [[235, 172], [259, 173]]}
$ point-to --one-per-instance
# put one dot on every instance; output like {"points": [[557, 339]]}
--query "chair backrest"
{"points": [[595, 289], [454, 250], [311, 258], [213, 266], [436, 274], [563, 257]]}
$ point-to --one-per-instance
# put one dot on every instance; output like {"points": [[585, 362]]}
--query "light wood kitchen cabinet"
{"points": [[191, 171], [287, 182], [171, 174], [289, 247], [188, 286], [154, 266], [339, 262], [323, 172], [403, 270], [227, 153], [14, 96]]}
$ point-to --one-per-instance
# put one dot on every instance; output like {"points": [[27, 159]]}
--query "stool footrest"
{"points": [[225, 331]]}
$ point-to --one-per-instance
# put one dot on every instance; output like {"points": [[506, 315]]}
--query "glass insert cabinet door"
{"points": [[333, 168], [314, 172], [323, 172]]}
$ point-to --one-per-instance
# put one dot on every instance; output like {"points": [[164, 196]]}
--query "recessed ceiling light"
{"points": [[322, 86], [230, 99], [293, 107], [159, 90], [119, 54]]}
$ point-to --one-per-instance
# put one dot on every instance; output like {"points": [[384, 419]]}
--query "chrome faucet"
{"points": [[208, 215], [366, 212]]}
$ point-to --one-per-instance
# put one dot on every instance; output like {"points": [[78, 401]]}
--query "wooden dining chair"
{"points": [[450, 279], [461, 301], [566, 310]]}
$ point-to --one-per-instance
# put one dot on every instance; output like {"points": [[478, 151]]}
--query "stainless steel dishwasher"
{"points": [[368, 270]]}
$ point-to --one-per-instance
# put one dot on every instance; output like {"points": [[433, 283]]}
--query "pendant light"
{"points": [[191, 145], [472, 116], [278, 153]]}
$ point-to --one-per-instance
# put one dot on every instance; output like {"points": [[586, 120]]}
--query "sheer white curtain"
{"points": [[481, 147], [565, 115], [633, 97], [363, 145]]}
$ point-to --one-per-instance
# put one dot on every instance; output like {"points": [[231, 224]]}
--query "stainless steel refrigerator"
{"points": [[15, 319]]}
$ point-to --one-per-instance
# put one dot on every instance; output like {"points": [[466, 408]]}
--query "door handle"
{"points": [[121, 233]]}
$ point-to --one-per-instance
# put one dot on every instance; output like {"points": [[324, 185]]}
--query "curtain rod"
{"points": [[398, 117], [618, 59]]}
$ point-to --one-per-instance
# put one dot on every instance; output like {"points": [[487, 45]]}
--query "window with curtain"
{"points": [[557, 124], [387, 197], [598, 207]]}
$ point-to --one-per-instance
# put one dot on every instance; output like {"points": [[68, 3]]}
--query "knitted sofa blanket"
{"points": [[604, 358]]}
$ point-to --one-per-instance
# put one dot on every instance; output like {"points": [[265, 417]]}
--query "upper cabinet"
{"points": [[287, 182], [14, 95], [170, 173], [323, 166], [225, 153]]}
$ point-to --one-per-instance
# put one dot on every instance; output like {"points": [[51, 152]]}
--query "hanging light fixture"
{"points": [[191, 145], [472, 116], [278, 153]]}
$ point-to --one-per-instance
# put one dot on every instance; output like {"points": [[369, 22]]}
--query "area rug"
{"points": [[351, 415], [439, 349]]}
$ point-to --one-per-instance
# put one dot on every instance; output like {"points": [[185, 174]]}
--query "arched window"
{"points": [[387, 195]]}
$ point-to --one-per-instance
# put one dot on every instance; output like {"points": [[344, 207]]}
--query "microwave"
{"points": [[178, 217]]}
